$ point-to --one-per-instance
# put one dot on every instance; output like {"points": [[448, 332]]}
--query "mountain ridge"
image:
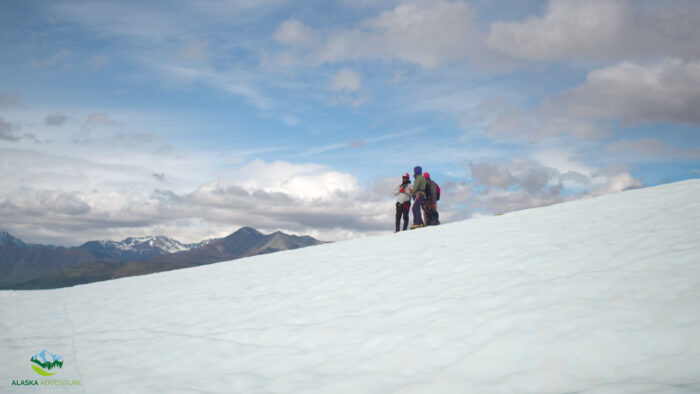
{"points": [[25, 266]]}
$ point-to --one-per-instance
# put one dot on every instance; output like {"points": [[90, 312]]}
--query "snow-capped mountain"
{"points": [[42, 356], [137, 248], [591, 296]]}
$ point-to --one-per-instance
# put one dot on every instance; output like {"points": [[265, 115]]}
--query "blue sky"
{"points": [[193, 118]]}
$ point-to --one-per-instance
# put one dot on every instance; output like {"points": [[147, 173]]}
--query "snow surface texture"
{"points": [[592, 296]]}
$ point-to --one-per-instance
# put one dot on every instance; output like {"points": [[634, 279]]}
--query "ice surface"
{"points": [[594, 296]]}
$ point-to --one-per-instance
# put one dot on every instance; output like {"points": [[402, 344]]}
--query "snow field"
{"points": [[592, 296]]}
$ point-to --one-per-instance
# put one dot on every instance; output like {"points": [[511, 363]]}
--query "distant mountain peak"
{"points": [[7, 238], [247, 230], [244, 234]]}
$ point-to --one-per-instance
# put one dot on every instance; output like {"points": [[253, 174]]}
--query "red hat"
{"points": [[426, 175], [405, 175]]}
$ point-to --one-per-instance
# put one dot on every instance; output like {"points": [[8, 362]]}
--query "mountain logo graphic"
{"points": [[46, 363]]}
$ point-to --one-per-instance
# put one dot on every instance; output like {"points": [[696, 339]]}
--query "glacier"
{"points": [[592, 296]]}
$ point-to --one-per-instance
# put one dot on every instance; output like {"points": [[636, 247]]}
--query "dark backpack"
{"points": [[427, 191]]}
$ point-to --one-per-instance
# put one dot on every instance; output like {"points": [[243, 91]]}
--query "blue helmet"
{"points": [[417, 170]]}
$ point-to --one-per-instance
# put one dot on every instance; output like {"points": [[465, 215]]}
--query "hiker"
{"points": [[403, 201], [432, 195], [418, 194]]}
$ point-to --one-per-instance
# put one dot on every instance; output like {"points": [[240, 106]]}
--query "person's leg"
{"points": [[399, 213], [405, 208], [417, 211], [433, 217]]}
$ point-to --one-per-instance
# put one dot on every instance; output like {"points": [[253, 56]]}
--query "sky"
{"points": [[191, 119]]}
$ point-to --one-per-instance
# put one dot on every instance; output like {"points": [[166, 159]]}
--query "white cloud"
{"points": [[502, 201], [428, 34], [523, 183], [55, 120], [7, 131], [615, 178], [491, 174], [99, 120], [528, 125], [30, 201], [96, 122], [41, 171], [563, 160], [310, 182], [524, 173], [667, 92], [651, 149], [349, 87], [552, 125], [238, 82], [617, 29], [73, 200], [628, 92], [294, 32], [346, 79]]}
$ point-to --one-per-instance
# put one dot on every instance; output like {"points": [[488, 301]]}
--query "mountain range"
{"points": [[32, 266]]}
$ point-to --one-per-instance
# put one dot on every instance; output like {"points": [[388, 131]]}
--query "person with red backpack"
{"points": [[403, 201], [432, 195]]}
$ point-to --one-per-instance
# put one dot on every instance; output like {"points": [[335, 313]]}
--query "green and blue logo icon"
{"points": [[46, 363]]}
